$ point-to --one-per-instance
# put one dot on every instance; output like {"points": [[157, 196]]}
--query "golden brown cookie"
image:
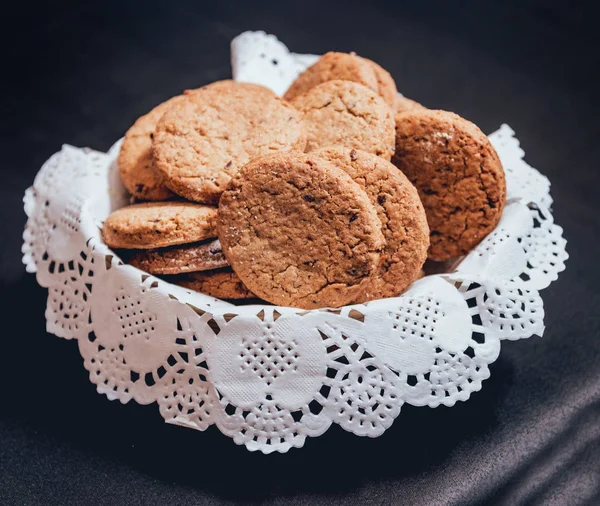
{"points": [[386, 86], [221, 284], [229, 85], [158, 224], [458, 175], [300, 232], [202, 256], [403, 104], [347, 114], [334, 66], [401, 213], [204, 140], [345, 67], [135, 161]]}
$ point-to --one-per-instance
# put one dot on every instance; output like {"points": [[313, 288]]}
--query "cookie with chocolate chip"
{"points": [[400, 212], [298, 231], [135, 161], [348, 114], [203, 140], [158, 224], [346, 67], [458, 175]]}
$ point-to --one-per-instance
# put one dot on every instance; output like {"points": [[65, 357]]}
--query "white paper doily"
{"points": [[270, 376]]}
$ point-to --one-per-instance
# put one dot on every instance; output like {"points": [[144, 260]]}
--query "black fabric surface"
{"points": [[81, 74]]}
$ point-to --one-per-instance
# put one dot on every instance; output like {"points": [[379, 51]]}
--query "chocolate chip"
{"points": [[229, 164], [358, 271], [381, 199], [353, 155], [139, 188], [428, 191], [353, 217], [152, 135], [309, 198]]}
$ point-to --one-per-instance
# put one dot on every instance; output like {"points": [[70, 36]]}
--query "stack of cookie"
{"points": [[334, 195], [189, 147], [166, 237]]}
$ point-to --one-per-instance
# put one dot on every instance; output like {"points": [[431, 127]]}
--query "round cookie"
{"points": [[458, 175], [386, 86], [347, 114], [221, 284], [193, 257], [135, 161], [345, 67], [402, 217], [299, 232], [205, 139], [332, 65], [229, 85], [403, 104], [157, 224]]}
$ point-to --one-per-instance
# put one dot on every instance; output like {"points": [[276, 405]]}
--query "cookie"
{"points": [[135, 161], [229, 85], [203, 256], [403, 104], [386, 86], [299, 232], [205, 139], [347, 114], [221, 284], [346, 67], [458, 175], [157, 224], [400, 212]]}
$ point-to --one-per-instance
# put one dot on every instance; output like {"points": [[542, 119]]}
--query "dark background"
{"points": [[81, 74]]}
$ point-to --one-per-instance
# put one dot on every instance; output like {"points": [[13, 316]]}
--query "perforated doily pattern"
{"points": [[269, 377]]}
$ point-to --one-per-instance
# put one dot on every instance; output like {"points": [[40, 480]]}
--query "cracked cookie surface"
{"points": [[458, 175], [348, 114], [178, 259], [334, 66], [346, 67], [299, 231], [204, 140], [401, 213], [158, 224], [136, 163], [221, 284]]}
